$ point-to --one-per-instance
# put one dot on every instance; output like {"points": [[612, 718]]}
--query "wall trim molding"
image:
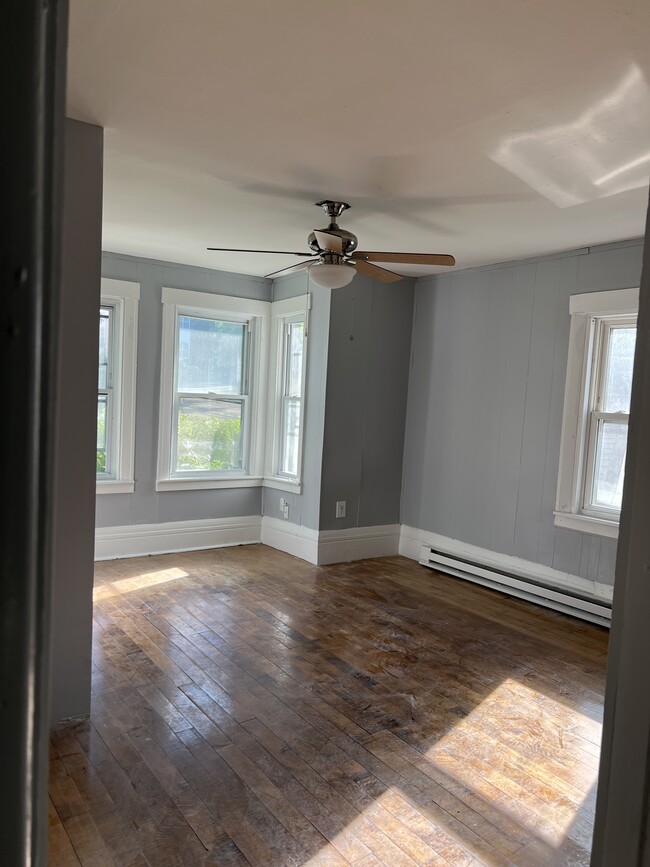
{"points": [[358, 543], [291, 538], [331, 546], [139, 540], [413, 539], [320, 548]]}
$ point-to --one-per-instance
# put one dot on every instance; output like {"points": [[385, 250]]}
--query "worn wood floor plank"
{"points": [[252, 709]]}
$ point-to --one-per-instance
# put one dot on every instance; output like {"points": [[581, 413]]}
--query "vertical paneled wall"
{"points": [[485, 405], [365, 407]]}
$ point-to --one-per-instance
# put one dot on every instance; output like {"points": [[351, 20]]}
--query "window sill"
{"points": [[181, 484], [587, 524], [114, 486], [281, 484]]}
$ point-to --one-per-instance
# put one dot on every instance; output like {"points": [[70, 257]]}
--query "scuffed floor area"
{"points": [[249, 708]]}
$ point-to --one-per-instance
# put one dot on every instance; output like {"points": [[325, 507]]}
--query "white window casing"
{"points": [[289, 311], [256, 316], [122, 298], [593, 315]]}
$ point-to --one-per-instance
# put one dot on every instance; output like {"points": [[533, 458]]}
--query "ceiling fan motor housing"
{"points": [[349, 240], [334, 210]]}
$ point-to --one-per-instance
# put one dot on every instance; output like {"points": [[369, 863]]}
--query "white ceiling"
{"points": [[491, 131]]}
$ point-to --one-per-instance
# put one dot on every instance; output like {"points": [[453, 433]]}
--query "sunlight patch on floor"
{"points": [[137, 582], [499, 754], [503, 753]]}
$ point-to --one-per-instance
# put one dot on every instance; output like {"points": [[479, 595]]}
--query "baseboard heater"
{"points": [[568, 602]]}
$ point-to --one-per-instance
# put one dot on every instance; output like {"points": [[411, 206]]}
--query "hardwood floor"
{"points": [[249, 708]]}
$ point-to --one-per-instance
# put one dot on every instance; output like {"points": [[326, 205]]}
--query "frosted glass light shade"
{"points": [[331, 276]]}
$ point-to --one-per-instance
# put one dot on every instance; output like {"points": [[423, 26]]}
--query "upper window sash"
{"points": [[255, 315]]}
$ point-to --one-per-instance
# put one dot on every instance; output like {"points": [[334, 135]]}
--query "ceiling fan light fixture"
{"points": [[328, 275]]}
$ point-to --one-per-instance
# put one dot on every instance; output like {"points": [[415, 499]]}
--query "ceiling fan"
{"points": [[334, 258]]}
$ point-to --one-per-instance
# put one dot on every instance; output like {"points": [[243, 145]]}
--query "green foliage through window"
{"points": [[101, 435], [208, 443]]}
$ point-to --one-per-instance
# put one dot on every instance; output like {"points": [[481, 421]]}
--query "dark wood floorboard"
{"points": [[251, 709]]}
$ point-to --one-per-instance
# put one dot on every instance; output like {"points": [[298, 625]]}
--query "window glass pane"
{"points": [[618, 379], [210, 355], [104, 345], [209, 434], [290, 436], [610, 464], [102, 402], [295, 346]]}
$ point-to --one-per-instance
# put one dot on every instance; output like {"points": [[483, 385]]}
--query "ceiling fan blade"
{"points": [[290, 270], [278, 252], [405, 258], [329, 241], [376, 272]]}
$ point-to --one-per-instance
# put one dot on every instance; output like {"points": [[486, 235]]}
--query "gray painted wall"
{"points": [[365, 409], [304, 508], [485, 404], [146, 505], [76, 420]]}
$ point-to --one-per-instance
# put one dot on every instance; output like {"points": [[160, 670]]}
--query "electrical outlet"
{"points": [[284, 508], [340, 509]]}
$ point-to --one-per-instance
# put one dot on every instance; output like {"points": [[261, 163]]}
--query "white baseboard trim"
{"points": [[320, 548], [331, 546], [291, 538], [358, 543], [138, 540], [413, 540]]}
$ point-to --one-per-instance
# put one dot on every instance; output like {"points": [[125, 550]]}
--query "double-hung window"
{"points": [[286, 387], [105, 390], [596, 411], [118, 319], [210, 418], [212, 366]]}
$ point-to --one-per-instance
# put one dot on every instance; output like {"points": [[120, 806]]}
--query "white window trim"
{"points": [[178, 301], [586, 310], [286, 310], [123, 296]]}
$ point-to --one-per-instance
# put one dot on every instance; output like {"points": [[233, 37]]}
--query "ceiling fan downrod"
{"points": [[333, 210]]}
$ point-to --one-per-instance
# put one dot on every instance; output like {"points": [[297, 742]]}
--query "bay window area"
{"points": [[232, 390]]}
